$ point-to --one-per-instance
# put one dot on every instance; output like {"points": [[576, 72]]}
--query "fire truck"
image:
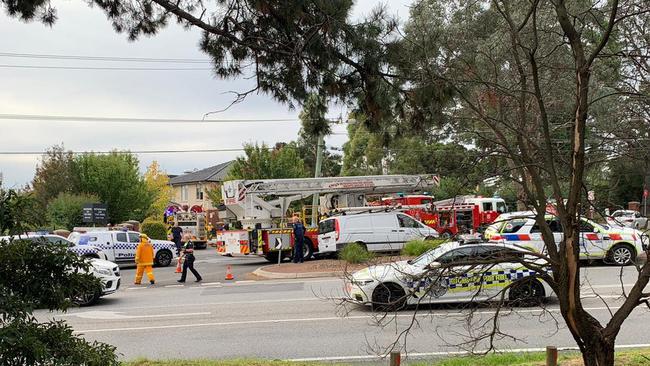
{"points": [[449, 217], [192, 223], [263, 208]]}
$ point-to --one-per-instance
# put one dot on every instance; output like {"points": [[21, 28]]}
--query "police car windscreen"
{"points": [[326, 226], [187, 223]]}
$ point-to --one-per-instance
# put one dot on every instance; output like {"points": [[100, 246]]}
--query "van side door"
{"points": [[123, 249]]}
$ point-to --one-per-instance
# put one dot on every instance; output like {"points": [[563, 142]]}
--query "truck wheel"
{"points": [[621, 255], [164, 258], [86, 299], [272, 257], [201, 245], [307, 249]]}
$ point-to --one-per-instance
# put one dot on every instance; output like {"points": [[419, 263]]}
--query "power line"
{"points": [[107, 68], [125, 151], [38, 117], [104, 58]]}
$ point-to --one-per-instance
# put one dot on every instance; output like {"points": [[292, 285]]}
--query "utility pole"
{"points": [[320, 149]]}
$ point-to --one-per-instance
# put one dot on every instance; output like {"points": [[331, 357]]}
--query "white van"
{"points": [[378, 232], [120, 246]]}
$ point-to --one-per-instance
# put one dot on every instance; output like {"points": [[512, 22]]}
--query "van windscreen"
{"points": [[326, 226]]}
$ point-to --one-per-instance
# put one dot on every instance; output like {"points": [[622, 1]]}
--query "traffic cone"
{"points": [[178, 266], [229, 275]]}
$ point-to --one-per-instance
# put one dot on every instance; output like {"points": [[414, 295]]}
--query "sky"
{"points": [[83, 30]]}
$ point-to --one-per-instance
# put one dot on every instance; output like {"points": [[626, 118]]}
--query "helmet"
{"points": [[144, 236]]}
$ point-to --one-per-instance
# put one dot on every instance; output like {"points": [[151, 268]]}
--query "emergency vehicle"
{"points": [[263, 207], [433, 278], [452, 216], [614, 245], [192, 223]]}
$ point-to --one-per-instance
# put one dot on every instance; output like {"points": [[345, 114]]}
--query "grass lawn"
{"points": [[639, 357]]}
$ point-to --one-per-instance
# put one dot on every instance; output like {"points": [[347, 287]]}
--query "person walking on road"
{"points": [[188, 255], [298, 240], [177, 234], [144, 260]]}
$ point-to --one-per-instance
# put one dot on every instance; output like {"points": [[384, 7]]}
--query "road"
{"points": [[301, 319]]}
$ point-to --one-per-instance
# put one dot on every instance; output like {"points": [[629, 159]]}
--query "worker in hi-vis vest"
{"points": [[144, 260]]}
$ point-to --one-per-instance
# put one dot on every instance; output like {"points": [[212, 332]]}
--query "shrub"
{"points": [[65, 211], [355, 253], [154, 229], [417, 247]]}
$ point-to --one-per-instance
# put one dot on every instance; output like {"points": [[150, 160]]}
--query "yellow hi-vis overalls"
{"points": [[144, 261]]}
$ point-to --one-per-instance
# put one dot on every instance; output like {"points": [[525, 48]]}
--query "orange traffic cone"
{"points": [[229, 275], [178, 266]]}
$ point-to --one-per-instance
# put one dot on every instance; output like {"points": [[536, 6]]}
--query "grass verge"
{"points": [[355, 253], [636, 357], [417, 247]]}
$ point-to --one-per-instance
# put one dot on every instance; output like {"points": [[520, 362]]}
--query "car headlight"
{"points": [[103, 271], [362, 282]]}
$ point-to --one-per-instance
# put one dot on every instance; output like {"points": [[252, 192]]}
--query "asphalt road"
{"points": [[301, 319]]}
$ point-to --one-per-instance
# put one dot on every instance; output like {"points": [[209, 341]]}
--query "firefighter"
{"points": [[298, 240], [144, 260]]}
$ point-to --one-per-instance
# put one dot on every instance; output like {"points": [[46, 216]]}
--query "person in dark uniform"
{"points": [[188, 254], [298, 240], [177, 234]]}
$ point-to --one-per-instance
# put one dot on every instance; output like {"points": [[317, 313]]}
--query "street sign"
{"points": [[95, 213]]}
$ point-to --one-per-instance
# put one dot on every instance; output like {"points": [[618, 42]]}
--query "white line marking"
{"points": [[171, 286], [300, 320], [450, 353], [136, 288], [210, 283], [246, 281], [609, 286], [112, 315]]}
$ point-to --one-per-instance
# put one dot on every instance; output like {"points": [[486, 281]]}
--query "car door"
{"points": [[592, 242], [103, 241], [122, 247], [408, 229], [455, 279]]}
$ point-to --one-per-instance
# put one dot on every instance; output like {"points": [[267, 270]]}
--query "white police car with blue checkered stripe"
{"points": [[89, 251], [452, 272], [120, 246]]}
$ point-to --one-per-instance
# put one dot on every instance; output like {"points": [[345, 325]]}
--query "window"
{"points": [[405, 221], [184, 194], [199, 192], [59, 241], [456, 255], [586, 227], [120, 237], [487, 206], [326, 226], [513, 226], [501, 207], [134, 238], [555, 226]]}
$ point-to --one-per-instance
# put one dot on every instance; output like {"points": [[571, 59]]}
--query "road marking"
{"points": [[306, 320], [210, 283], [597, 296], [113, 315], [169, 286], [245, 281], [450, 353], [136, 288]]}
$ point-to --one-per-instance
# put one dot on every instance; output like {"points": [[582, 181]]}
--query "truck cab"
{"points": [[120, 246]]}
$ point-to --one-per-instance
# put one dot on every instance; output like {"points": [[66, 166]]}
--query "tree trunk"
{"points": [[598, 350]]}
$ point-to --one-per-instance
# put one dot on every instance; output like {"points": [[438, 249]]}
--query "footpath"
{"points": [[318, 268]]}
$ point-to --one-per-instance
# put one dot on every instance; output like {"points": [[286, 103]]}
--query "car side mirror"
{"points": [[434, 265]]}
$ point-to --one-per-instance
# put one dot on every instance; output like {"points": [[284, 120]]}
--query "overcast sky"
{"points": [[82, 30]]}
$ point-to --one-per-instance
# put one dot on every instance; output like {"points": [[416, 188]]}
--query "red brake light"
{"points": [[337, 228]]}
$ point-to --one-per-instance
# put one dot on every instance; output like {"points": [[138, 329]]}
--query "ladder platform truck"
{"points": [[261, 205]]}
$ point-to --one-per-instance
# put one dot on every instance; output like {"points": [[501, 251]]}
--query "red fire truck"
{"points": [[451, 216]]}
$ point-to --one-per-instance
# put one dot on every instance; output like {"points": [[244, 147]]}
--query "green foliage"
{"points": [[54, 175], [415, 248], [313, 116], [50, 275], [19, 212], [157, 183], [154, 228], [65, 211], [115, 179], [262, 162], [355, 253]]}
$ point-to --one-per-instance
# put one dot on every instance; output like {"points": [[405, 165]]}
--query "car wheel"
{"points": [[429, 237], [446, 235], [164, 258], [86, 299], [621, 255], [527, 293], [388, 297]]}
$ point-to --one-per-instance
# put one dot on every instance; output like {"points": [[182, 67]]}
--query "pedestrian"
{"points": [[144, 260], [298, 240], [188, 255], [177, 234]]}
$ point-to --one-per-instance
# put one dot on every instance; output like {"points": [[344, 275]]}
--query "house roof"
{"points": [[215, 173]]}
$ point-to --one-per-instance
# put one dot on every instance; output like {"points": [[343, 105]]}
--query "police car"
{"points": [[120, 246], [108, 272], [452, 272], [88, 251], [615, 245]]}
